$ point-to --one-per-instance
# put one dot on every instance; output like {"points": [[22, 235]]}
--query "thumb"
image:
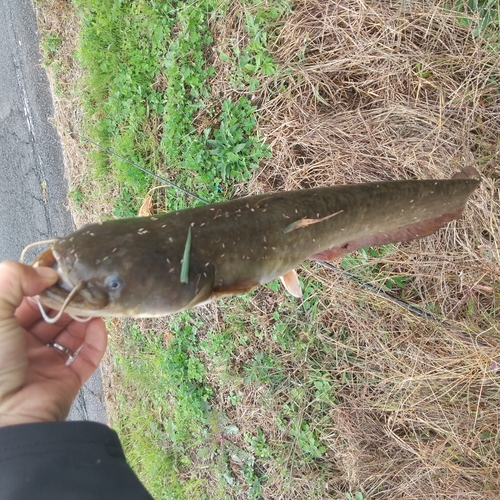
{"points": [[17, 281]]}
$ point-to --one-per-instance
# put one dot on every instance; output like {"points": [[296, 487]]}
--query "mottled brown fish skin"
{"points": [[239, 244]]}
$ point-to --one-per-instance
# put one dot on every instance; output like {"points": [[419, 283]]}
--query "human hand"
{"points": [[36, 385]]}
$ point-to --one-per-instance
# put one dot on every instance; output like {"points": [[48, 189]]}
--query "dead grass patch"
{"points": [[372, 91], [391, 91]]}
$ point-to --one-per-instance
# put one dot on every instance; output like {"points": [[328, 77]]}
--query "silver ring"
{"points": [[64, 350]]}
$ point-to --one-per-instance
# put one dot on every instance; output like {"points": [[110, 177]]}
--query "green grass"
{"points": [[174, 430], [148, 81], [487, 16], [155, 443]]}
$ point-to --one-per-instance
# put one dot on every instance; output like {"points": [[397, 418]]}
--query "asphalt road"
{"points": [[33, 188]]}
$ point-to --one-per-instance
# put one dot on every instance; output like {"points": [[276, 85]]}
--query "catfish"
{"points": [[158, 265]]}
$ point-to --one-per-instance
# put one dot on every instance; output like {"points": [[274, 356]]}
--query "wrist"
{"points": [[10, 418], [6, 420]]}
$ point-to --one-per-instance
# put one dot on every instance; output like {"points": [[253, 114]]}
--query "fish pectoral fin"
{"points": [[291, 283], [203, 295], [404, 233]]}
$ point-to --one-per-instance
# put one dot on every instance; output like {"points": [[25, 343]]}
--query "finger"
{"points": [[92, 351], [16, 281], [72, 337], [28, 315]]}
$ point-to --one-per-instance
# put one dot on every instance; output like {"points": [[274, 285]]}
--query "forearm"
{"points": [[71, 460]]}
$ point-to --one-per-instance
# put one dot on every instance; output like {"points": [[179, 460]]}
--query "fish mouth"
{"points": [[50, 258], [76, 298]]}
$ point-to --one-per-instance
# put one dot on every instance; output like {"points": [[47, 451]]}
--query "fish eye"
{"points": [[113, 283]]}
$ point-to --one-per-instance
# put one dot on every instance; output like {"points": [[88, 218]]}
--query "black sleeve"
{"points": [[65, 460]]}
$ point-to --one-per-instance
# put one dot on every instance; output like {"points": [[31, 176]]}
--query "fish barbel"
{"points": [[153, 266]]}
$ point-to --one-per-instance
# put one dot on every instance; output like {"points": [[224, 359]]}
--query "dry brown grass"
{"points": [[355, 107], [391, 90], [416, 411], [370, 91]]}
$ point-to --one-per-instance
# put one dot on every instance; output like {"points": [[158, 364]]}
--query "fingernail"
{"points": [[46, 272]]}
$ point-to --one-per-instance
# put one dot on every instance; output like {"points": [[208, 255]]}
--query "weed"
{"points": [[219, 345], [121, 44], [78, 198], [254, 58], [146, 64], [258, 445], [50, 46], [263, 369], [488, 14], [236, 155], [254, 62], [125, 204], [254, 482], [324, 389], [218, 154], [362, 265], [306, 439], [357, 496], [234, 398]]}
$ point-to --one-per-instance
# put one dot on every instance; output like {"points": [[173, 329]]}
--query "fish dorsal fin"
{"points": [[307, 222], [291, 283]]}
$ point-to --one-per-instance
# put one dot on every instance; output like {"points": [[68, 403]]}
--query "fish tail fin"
{"points": [[468, 172], [409, 231]]}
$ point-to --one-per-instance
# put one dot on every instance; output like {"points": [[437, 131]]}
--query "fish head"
{"points": [[110, 270], [97, 288]]}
